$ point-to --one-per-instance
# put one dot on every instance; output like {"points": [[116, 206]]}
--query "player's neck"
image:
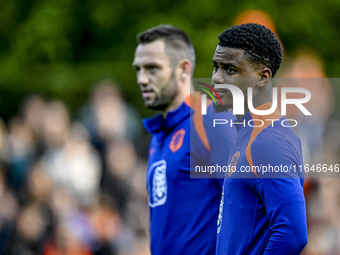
{"points": [[183, 93], [259, 99]]}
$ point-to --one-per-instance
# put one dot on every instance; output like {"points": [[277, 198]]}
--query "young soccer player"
{"points": [[260, 213]]}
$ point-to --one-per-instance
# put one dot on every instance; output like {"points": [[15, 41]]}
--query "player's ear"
{"points": [[185, 68], [265, 76]]}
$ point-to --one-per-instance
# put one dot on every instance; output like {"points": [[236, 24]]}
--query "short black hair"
{"points": [[260, 44], [178, 43]]}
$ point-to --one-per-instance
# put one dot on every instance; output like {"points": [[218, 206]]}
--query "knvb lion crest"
{"points": [[177, 140]]}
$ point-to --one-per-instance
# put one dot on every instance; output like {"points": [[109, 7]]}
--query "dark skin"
{"points": [[231, 66]]}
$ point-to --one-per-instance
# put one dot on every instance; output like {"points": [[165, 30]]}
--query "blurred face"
{"points": [[155, 76], [232, 67]]}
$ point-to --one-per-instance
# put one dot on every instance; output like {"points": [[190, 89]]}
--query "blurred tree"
{"points": [[60, 48]]}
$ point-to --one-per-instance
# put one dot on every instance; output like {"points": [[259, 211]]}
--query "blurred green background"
{"points": [[61, 48]]}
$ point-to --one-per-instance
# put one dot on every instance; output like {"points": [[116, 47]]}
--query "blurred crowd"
{"points": [[320, 138], [74, 186]]}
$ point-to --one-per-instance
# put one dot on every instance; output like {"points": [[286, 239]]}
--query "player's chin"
{"points": [[155, 106], [149, 102], [221, 108], [225, 106]]}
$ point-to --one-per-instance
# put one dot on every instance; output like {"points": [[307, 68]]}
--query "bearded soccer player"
{"points": [[260, 213], [183, 210]]}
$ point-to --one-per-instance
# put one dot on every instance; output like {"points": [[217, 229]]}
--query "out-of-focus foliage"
{"points": [[60, 48]]}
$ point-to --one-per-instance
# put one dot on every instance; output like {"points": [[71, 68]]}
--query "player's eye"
{"points": [[215, 66], [230, 70], [152, 69]]}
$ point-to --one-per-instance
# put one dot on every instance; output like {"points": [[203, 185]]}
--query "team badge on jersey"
{"points": [[177, 140], [159, 187]]}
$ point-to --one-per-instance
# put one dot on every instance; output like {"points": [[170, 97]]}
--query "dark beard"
{"points": [[162, 102], [220, 108]]}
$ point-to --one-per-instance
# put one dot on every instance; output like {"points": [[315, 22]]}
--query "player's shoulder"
{"points": [[277, 138], [203, 124], [280, 131]]}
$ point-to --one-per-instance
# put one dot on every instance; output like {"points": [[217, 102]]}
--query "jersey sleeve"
{"points": [[281, 193]]}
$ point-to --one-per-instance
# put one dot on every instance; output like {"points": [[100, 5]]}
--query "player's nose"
{"points": [[217, 77], [142, 78]]}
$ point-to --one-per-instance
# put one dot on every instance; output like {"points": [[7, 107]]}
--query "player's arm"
{"points": [[283, 196]]}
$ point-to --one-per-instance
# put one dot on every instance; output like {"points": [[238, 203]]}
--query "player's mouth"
{"points": [[147, 93], [221, 92]]}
